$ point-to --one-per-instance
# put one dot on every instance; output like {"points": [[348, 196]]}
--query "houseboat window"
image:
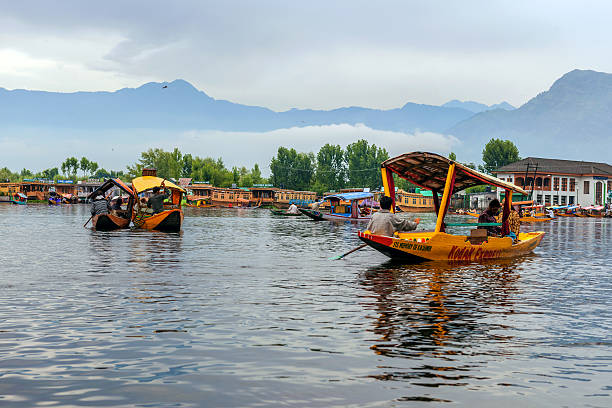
{"points": [[414, 201], [571, 200], [547, 199], [546, 182], [572, 184], [223, 196], [556, 183], [509, 180], [586, 187], [519, 182], [563, 200], [563, 184], [555, 200], [538, 182], [539, 198]]}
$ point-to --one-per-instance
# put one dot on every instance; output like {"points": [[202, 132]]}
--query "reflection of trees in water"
{"points": [[439, 311]]}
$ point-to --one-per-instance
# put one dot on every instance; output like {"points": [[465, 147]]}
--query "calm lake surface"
{"points": [[245, 309]]}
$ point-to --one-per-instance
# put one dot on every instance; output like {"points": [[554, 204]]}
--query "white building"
{"points": [[560, 182]]}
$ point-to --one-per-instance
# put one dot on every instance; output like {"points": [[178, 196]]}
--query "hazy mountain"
{"points": [[476, 107], [178, 105], [573, 119]]}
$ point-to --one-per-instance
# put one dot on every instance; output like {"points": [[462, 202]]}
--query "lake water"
{"points": [[245, 309]]}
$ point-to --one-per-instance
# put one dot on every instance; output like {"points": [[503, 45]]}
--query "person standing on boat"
{"points": [[293, 209], [99, 205], [489, 216], [384, 222], [156, 201]]}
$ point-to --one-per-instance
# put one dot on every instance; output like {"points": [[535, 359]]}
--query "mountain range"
{"points": [[571, 120]]}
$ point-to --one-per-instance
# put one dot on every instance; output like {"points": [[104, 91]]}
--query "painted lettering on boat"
{"points": [[415, 246], [472, 254]]}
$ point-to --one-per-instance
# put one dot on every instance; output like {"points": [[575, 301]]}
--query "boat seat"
{"points": [[477, 236]]}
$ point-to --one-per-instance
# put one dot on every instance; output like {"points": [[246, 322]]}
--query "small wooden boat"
{"points": [[19, 199], [284, 213], [54, 198], [169, 220], [116, 219], [343, 207], [439, 174]]}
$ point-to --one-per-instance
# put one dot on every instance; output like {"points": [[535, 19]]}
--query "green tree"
{"points": [[70, 166], [8, 176], [187, 165], [293, 170], [331, 169], [93, 167], [256, 175], [498, 153], [452, 156], [49, 173], [169, 165], [84, 165], [212, 171], [363, 162]]}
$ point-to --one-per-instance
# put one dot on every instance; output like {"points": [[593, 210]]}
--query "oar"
{"points": [[87, 221], [349, 252]]}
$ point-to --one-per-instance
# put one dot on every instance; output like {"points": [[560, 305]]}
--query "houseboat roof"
{"points": [[429, 170], [350, 196], [544, 165]]}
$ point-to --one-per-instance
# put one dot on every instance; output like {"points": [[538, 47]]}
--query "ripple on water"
{"points": [[245, 309]]}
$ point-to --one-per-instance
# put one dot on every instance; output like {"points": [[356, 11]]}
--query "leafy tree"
{"points": [[292, 170], [256, 175], [363, 163], [168, 164], [498, 153], [8, 176], [50, 173], [84, 165], [331, 169], [452, 156], [211, 170], [187, 165], [25, 173], [93, 166], [70, 166]]}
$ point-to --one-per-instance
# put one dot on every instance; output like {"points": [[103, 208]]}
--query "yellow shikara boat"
{"points": [[437, 173], [169, 220]]}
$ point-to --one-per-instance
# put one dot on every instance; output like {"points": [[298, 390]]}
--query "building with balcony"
{"points": [[560, 182]]}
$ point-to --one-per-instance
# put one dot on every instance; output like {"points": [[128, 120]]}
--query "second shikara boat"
{"points": [[343, 207], [116, 219], [169, 220], [439, 174], [19, 198]]}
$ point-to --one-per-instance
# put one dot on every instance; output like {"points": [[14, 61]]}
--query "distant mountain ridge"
{"points": [[179, 105], [573, 120], [477, 107]]}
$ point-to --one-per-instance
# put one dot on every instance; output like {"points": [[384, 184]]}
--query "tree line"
{"points": [[330, 169]]}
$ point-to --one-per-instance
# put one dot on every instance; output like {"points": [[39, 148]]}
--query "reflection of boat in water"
{"points": [[169, 220], [439, 174], [116, 219], [19, 199], [343, 207]]}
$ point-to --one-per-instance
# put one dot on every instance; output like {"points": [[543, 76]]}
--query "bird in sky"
{"points": [[165, 86]]}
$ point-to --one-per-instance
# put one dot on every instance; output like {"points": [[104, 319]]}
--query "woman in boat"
{"points": [[490, 216], [514, 222], [386, 223]]}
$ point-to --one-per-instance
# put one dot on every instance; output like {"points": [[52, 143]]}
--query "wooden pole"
{"points": [[445, 196]]}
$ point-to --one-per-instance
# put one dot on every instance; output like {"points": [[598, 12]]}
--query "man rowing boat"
{"points": [[386, 223]]}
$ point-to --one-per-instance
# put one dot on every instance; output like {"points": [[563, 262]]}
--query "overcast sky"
{"points": [[306, 54]]}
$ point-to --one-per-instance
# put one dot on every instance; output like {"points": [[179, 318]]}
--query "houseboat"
{"points": [[343, 207]]}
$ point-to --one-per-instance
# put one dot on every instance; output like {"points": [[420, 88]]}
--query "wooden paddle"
{"points": [[349, 252], [87, 221]]}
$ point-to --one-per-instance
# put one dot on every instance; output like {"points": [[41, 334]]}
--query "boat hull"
{"points": [[284, 213], [166, 221], [423, 246], [535, 219], [109, 222], [319, 216]]}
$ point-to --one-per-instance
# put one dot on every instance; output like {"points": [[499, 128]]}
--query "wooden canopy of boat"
{"points": [[439, 174], [145, 183], [429, 170], [111, 183], [349, 196]]}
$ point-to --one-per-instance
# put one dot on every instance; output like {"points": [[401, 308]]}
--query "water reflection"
{"points": [[435, 311]]}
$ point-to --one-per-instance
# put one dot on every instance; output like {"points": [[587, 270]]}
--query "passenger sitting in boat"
{"points": [[514, 222], [550, 213], [386, 223], [156, 201], [117, 204], [315, 206], [293, 209], [99, 205], [488, 216]]}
